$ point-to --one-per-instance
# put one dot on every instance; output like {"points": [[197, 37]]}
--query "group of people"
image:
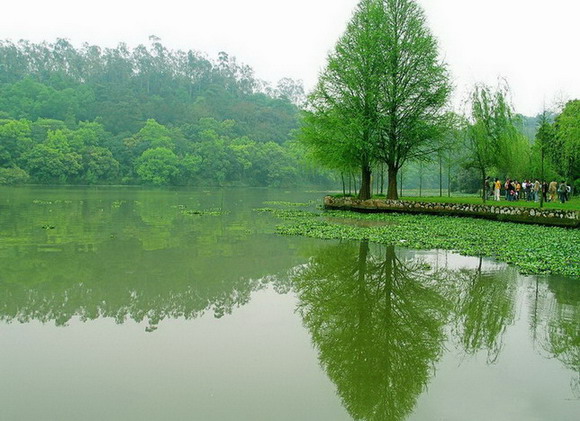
{"points": [[528, 190]]}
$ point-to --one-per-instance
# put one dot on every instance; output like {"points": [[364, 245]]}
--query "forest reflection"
{"points": [[380, 319], [132, 255]]}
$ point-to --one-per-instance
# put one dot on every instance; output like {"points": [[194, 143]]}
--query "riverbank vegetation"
{"points": [[532, 249]]}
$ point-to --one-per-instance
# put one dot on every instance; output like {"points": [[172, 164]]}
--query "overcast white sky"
{"points": [[532, 43]]}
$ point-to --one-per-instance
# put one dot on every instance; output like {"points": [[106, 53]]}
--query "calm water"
{"points": [[116, 304]]}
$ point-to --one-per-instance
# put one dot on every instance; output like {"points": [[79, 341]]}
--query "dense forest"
{"points": [[144, 115], [153, 115]]}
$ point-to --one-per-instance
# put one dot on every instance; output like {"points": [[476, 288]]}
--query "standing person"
{"points": [[507, 185], [552, 189], [518, 188], [489, 185], [562, 188], [529, 193], [537, 189], [544, 190], [511, 191], [497, 189]]}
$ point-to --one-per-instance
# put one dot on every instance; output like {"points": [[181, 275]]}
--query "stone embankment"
{"points": [[501, 213]]}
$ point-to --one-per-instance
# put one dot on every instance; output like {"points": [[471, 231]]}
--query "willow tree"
{"points": [[565, 150], [387, 88], [493, 140]]}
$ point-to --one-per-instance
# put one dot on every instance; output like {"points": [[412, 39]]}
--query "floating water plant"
{"points": [[533, 249]]}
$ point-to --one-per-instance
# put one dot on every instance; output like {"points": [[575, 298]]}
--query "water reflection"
{"points": [[120, 280], [378, 322], [381, 318], [555, 322], [484, 308], [132, 255]]}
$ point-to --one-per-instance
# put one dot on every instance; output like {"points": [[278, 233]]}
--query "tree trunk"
{"points": [[484, 184], [392, 189], [343, 185], [362, 260], [449, 177], [421, 179], [542, 177], [365, 188], [382, 178], [440, 176], [401, 185], [349, 183]]}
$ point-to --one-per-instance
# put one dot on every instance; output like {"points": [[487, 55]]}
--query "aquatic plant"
{"points": [[532, 249], [208, 212]]}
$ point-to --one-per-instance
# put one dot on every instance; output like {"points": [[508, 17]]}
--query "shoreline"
{"points": [[517, 214]]}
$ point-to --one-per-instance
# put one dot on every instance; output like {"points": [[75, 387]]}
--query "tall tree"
{"points": [[385, 83], [415, 88], [566, 149], [544, 137], [348, 91], [377, 320], [492, 133]]}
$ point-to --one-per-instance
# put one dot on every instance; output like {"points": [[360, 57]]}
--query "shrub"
{"points": [[10, 176]]}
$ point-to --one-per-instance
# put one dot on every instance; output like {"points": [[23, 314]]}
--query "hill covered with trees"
{"points": [[144, 115]]}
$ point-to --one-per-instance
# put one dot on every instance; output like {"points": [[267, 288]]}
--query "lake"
{"points": [[122, 303]]}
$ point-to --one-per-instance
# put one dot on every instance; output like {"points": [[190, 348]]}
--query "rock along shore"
{"points": [[562, 218]]}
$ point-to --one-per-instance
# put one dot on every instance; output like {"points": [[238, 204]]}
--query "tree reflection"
{"points": [[377, 320], [485, 307], [121, 281], [555, 322], [139, 259]]}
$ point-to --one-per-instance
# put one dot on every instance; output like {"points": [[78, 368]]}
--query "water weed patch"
{"points": [[533, 249]]}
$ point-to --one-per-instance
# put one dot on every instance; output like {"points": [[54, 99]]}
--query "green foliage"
{"points": [[53, 160], [157, 166], [494, 143], [152, 135], [565, 150], [381, 95], [377, 321], [124, 87], [10, 176], [15, 139], [110, 106], [531, 248], [99, 165]]}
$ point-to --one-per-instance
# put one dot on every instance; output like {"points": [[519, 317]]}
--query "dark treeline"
{"points": [[144, 115]]}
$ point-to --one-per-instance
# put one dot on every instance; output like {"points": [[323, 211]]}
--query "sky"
{"points": [[533, 44]]}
